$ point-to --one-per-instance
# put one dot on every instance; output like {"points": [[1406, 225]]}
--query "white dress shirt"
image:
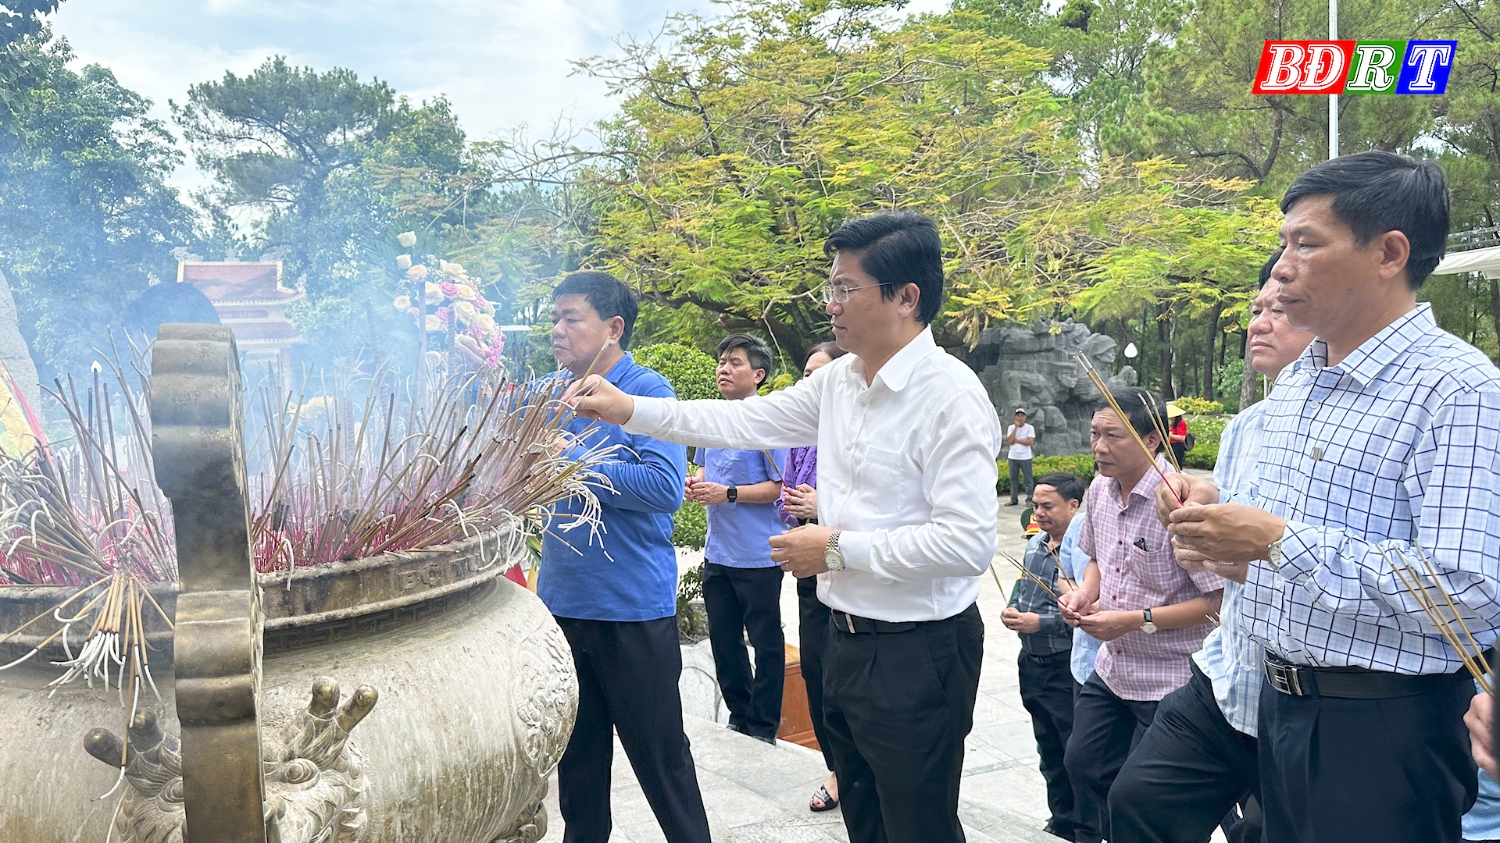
{"points": [[906, 469]]}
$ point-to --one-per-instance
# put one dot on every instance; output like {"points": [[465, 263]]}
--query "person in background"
{"points": [[1177, 435], [1020, 436], [798, 505], [1046, 680], [1482, 823], [741, 585], [616, 599], [1199, 756], [1150, 614]]}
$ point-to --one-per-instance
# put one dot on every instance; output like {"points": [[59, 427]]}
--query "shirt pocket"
{"points": [[1157, 569], [881, 469]]}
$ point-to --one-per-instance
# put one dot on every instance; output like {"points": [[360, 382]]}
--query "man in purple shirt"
{"points": [[741, 585], [1150, 614]]}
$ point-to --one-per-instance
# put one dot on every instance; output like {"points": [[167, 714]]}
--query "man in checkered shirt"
{"points": [[1150, 614], [1381, 442]]}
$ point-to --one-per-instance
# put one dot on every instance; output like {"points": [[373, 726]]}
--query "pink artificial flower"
{"points": [[449, 289], [479, 301], [444, 314]]}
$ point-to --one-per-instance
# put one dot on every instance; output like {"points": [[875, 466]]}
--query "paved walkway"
{"points": [[755, 792]]}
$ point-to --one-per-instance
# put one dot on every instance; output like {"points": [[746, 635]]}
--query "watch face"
{"points": [[833, 560], [1148, 627]]}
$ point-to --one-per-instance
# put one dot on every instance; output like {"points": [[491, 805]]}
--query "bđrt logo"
{"points": [[1355, 67]]}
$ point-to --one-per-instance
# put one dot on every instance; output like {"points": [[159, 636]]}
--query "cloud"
{"points": [[503, 63]]}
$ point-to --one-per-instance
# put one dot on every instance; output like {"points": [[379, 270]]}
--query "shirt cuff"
{"points": [[855, 546], [649, 415], [1299, 552]]}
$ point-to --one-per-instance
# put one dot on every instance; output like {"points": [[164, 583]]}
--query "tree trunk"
{"points": [[1495, 304], [1247, 386], [1164, 333], [1210, 372]]}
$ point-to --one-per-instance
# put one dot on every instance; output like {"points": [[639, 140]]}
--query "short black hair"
{"points": [[1375, 192], [606, 294], [1069, 487], [829, 348], [1139, 405], [896, 250], [1270, 264], [756, 351]]}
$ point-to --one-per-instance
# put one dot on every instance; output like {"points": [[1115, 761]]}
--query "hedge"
{"points": [[688, 370], [1206, 431], [690, 525], [1079, 464]]}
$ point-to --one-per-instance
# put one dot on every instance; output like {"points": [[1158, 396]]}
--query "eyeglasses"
{"points": [[839, 293]]}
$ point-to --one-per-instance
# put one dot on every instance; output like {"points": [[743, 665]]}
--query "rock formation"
{"points": [[1034, 367]]}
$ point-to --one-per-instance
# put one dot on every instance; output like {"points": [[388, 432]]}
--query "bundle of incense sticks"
{"points": [[1026, 572], [1433, 598], [1062, 573], [1103, 387]]}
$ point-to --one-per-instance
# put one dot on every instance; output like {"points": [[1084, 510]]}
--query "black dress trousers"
{"points": [[812, 631], [1189, 769], [897, 707], [1396, 770], [627, 683], [1047, 684], [746, 602]]}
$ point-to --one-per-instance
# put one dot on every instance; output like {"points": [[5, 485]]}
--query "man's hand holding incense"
{"points": [[1227, 532], [1076, 604], [594, 397], [1016, 620], [706, 493], [1192, 561], [1107, 626], [1180, 489], [1479, 719], [801, 550], [801, 501]]}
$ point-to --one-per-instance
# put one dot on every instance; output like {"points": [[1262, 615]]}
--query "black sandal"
{"points": [[822, 800]]}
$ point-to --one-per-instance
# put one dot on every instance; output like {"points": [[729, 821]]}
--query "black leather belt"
{"points": [[1353, 683], [856, 625]]}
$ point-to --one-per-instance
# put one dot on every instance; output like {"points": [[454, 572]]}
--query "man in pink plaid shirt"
{"points": [[1151, 614]]}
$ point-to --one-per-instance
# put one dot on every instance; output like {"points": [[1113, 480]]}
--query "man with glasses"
{"points": [[907, 441]]}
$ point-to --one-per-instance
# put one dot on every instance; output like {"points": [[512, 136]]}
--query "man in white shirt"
{"points": [[907, 440], [1020, 436]]}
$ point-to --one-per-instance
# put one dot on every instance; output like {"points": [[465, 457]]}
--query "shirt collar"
{"points": [[618, 370], [1145, 487], [897, 371], [1366, 362]]}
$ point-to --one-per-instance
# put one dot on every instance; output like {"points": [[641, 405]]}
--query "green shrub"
{"points": [[688, 370], [1206, 431], [781, 381], [690, 526], [1199, 406], [1079, 464]]}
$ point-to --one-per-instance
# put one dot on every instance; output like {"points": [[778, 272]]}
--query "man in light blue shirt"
{"points": [[1198, 758], [741, 585]]}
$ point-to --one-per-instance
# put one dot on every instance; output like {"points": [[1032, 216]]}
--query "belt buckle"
{"points": [[849, 621], [1284, 679]]}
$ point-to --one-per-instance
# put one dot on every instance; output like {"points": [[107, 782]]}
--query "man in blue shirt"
{"points": [[741, 585], [615, 595]]}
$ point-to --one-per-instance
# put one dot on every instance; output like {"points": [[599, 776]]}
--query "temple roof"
{"points": [[238, 283]]}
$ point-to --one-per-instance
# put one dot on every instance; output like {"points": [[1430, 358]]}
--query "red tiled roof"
{"points": [[237, 283]]}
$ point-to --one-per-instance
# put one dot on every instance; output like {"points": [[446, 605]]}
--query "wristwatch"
{"points": [[1273, 555], [832, 556], [733, 493], [1149, 626]]}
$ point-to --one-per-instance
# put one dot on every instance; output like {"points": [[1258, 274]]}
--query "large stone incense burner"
{"points": [[405, 697]]}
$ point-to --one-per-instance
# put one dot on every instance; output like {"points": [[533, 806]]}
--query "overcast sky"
{"points": [[502, 63]]}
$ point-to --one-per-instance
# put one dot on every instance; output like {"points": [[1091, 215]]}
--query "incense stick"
{"points": [[1473, 659], [1103, 387]]}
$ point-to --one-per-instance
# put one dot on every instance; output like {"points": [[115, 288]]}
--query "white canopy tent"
{"points": [[1485, 261]]}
